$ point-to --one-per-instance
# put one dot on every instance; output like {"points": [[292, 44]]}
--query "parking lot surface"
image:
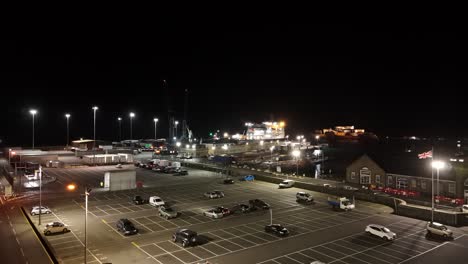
{"points": [[316, 231]]}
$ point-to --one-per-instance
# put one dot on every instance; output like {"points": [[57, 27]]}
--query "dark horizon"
{"points": [[390, 81]]}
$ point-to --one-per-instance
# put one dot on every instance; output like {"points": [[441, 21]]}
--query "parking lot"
{"points": [[316, 231]]}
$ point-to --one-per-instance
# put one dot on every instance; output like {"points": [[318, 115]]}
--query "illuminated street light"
{"points": [[72, 187], [68, 130], [120, 128], [155, 122], [296, 154], [95, 108], [33, 112], [132, 115], [176, 123], [437, 164], [261, 142]]}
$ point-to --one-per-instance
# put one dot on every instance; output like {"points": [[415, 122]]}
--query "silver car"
{"points": [[55, 227], [214, 194], [167, 212], [213, 213], [40, 210], [439, 229]]}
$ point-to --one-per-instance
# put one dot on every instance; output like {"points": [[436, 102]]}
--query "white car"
{"points": [[349, 188], [156, 201], [55, 227], [213, 213], [214, 194], [286, 184], [465, 208], [380, 231], [118, 166], [43, 210], [304, 197]]}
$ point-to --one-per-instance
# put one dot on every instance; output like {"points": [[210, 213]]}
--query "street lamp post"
{"points": [[317, 139], [40, 193], [132, 115], [120, 128], [176, 123], [68, 130], [296, 153], [438, 165], [72, 187], [271, 155], [95, 108], [33, 113], [155, 122]]}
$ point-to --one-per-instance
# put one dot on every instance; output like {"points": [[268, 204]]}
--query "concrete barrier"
{"points": [[44, 243]]}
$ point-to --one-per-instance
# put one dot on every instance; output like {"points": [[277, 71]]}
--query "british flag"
{"points": [[425, 155]]}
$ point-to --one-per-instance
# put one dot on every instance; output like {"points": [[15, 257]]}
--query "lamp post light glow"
{"points": [[155, 122], [120, 128], [68, 130], [95, 108], [73, 187], [33, 112], [178, 144], [176, 123], [296, 154], [132, 115], [437, 165]]}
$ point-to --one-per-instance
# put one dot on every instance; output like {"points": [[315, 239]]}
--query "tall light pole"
{"points": [[296, 153], [33, 112], [120, 128], [155, 122], [95, 108], [40, 193], [72, 187], [132, 115], [317, 139], [68, 130], [176, 123], [271, 155], [438, 165]]}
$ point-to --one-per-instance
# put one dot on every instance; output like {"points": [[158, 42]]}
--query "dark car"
{"points": [[240, 208], [186, 237], [277, 229], [224, 210], [257, 203], [126, 227], [181, 173], [228, 181], [137, 199]]}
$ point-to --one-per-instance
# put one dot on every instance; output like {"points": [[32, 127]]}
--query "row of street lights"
{"points": [[33, 113]]}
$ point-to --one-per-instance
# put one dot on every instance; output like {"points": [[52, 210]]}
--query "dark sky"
{"points": [[392, 81]]}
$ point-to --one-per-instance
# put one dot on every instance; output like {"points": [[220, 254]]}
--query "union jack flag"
{"points": [[425, 155]]}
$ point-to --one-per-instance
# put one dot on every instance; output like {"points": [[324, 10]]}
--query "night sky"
{"points": [[391, 81]]}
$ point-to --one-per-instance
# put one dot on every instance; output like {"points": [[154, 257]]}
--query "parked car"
{"points": [[434, 228], [214, 194], [277, 229], [304, 197], [213, 213], [286, 184], [464, 208], [55, 227], [156, 201], [228, 181], [223, 210], [118, 166], [167, 212], [240, 208], [186, 237], [43, 210], [181, 173], [126, 227], [349, 188], [257, 203], [137, 199], [380, 231]]}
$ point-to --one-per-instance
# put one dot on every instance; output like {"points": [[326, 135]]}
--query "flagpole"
{"points": [[432, 185]]}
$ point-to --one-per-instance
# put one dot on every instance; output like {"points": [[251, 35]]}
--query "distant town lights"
{"points": [[178, 144], [187, 146]]}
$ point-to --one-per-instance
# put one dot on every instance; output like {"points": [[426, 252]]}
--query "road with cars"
{"points": [[316, 231]]}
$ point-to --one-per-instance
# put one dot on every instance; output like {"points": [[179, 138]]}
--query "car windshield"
{"points": [[346, 202], [158, 200], [443, 228], [168, 209]]}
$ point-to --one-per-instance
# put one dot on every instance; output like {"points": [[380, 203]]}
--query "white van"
{"points": [[286, 184], [156, 201]]}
